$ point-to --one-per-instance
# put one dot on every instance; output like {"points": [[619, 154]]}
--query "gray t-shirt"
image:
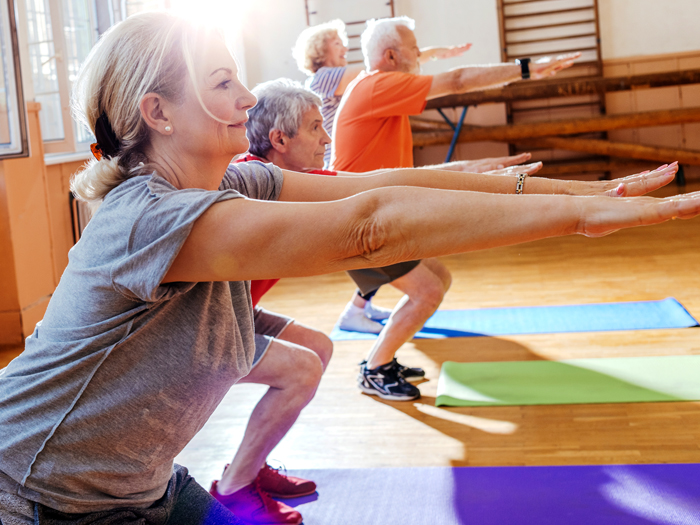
{"points": [[122, 371]]}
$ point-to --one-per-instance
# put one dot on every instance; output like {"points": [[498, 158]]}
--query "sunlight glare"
{"points": [[650, 499], [491, 426]]}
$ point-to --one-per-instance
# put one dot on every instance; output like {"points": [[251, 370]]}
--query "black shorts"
{"points": [[370, 279]]}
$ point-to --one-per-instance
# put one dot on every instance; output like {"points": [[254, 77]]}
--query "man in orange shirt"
{"points": [[372, 131]]}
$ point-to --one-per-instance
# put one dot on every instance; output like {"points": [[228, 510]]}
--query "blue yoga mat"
{"points": [[571, 495], [600, 317]]}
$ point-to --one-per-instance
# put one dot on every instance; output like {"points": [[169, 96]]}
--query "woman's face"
{"points": [[335, 53], [195, 132]]}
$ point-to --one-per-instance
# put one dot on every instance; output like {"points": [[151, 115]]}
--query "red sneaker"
{"points": [[252, 505], [280, 485]]}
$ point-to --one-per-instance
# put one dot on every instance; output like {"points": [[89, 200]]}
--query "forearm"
{"points": [[446, 179], [430, 223], [316, 188], [475, 78]]}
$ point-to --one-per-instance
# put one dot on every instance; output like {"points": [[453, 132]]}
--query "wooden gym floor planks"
{"points": [[344, 428]]}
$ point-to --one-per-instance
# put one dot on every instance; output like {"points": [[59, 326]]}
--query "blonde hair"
{"points": [[148, 52], [311, 47]]}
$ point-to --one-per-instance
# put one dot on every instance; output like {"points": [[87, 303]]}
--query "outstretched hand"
{"points": [[451, 51], [528, 169], [491, 164], [548, 66], [630, 186], [435, 53], [601, 217]]}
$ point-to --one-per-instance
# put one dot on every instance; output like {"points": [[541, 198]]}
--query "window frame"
{"points": [[17, 109], [68, 144]]}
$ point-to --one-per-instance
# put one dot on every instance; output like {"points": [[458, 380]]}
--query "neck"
{"points": [[186, 171], [281, 162]]}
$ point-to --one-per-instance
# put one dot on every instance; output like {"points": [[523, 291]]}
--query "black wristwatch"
{"points": [[524, 67]]}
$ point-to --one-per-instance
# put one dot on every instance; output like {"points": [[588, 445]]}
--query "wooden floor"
{"points": [[344, 428]]}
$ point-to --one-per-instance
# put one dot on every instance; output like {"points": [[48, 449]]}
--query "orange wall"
{"points": [[35, 234]]}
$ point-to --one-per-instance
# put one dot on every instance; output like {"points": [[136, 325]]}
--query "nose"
{"points": [[325, 137], [246, 100]]}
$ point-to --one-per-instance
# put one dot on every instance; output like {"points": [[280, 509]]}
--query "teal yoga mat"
{"points": [[571, 381], [597, 317]]}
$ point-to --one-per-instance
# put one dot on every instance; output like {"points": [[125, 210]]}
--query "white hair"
{"points": [[281, 105], [312, 45], [380, 35]]}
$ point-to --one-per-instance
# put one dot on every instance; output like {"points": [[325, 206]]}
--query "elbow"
{"points": [[458, 81], [374, 237]]}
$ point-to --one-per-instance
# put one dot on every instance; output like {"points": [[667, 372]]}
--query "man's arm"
{"points": [[476, 78]]}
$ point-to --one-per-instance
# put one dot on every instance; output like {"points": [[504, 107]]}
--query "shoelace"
{"points": [[277, 470], [267, 501]]}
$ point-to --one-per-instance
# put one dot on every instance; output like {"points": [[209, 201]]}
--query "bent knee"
{"points": [[323, 347], [431, 294], [307, 374], [446, 279]]}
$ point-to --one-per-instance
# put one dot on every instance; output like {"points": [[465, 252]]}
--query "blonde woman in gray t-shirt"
{"points": [[152, 322]]}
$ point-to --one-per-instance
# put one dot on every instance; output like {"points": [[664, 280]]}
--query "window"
{"points": [[13, 130], [60, 34]]}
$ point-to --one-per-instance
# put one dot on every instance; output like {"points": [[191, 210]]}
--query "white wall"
{"points": [[648, 27], [270, 30], [628, 28], [272, 26]]}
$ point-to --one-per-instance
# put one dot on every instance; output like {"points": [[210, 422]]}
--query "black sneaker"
{"points": [[386, 382], [408, 373]]}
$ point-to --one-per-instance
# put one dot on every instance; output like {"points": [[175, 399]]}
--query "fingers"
{"points": [[645, 182], [604, 217], [681, 206], [513, 160], [514, 170], [531, 168]]}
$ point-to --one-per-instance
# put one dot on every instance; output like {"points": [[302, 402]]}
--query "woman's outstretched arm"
{"points": [[245, 239], [302, 187]]}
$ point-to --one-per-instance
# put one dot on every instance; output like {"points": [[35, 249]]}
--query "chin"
{"points": [[240, 146]]}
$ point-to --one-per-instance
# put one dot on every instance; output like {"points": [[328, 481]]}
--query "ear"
{"points": [[279, 141], [390, 56], [154, 112]]}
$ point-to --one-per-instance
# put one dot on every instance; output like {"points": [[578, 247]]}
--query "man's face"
{"points": [[305, 151], [408, 52]]}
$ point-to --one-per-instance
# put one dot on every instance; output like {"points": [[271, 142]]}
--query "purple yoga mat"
{"points": [[580, 495]]}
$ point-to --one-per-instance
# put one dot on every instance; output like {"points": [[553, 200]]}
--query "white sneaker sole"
{"points": [[388, 397]]}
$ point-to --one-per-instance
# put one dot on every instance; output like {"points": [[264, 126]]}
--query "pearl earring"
{"points": [[168, 128]]}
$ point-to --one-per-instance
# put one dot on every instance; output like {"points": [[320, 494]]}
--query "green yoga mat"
{"points": [[571, 381]]}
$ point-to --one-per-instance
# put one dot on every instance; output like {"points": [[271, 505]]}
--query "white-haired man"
{"points": [[371, 128], [286, 129]]}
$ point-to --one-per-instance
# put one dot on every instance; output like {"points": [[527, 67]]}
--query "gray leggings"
{"points": [[185, 502]]}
